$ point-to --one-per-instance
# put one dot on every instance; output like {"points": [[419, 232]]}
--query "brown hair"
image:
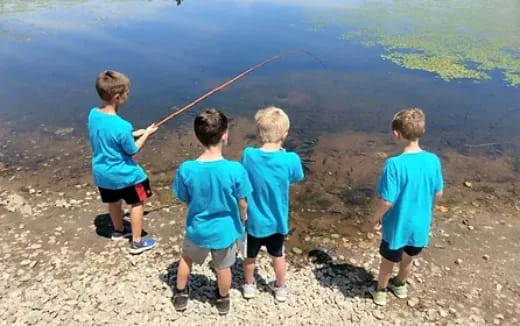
{"points": [[109, 83], [210, 125], [271, 124], [410, 123]]}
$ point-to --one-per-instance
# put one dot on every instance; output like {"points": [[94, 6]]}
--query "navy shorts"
{"points": [[131, 195], [396, 255], [273, 244]]}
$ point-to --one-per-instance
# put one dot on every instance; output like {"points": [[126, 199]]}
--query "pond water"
{"points": [[174, 51]]}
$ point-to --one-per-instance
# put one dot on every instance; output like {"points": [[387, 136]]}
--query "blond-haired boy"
{"points": [[408, 186], [115, 172], [271, 170]]}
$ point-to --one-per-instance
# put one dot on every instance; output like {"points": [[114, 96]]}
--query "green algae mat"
{"points": [[451, 38]]}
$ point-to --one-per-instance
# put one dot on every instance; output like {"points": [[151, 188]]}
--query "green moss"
{"points": [[446, 68], [451, 38]]}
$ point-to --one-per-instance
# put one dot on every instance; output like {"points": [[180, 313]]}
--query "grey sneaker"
{"points": [[280, 293], [180, 299], [249, 290], [223, 304], [400, 290]]}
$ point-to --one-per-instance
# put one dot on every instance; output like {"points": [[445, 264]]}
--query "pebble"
{"points": [[25, 262], [468, 184], [378, 314], [458, 261], [412, 302], [297, 251], [442, 209]]}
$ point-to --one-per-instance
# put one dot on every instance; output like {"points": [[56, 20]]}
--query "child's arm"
{"points": [[242, 203], [152, 129], [382, 207], [296, 171]]}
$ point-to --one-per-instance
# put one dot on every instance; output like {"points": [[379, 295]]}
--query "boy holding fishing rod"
{"points": [[408, 187], [215, 190], [271, 170], [115, 172]]}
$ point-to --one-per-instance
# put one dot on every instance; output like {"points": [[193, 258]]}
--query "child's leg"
{"points": [[385, 273], [405, 268], [224, 281], [136, 217], [249, 270], [275, 248], [279, 270], [116, 214], [252, 249], [183, 272]]}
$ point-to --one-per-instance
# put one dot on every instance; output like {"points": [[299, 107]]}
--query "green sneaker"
{"points": [[379, 296], [398, 288]]}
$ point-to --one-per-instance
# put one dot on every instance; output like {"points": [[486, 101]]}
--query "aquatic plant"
{"points": [[451, 38]]}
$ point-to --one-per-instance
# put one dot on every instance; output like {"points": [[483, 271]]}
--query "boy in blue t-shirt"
{"points": [[271, 170], [115, 172], [215, 190], [408, 187]]}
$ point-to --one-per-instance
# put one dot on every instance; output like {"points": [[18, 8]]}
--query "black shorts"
{"points": [[396, 255], [132, 195], [273, 243]]}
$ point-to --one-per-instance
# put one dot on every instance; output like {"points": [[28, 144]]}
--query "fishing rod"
{"points": [[231, 81]]}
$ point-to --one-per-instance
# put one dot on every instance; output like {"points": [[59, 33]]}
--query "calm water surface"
{"points": [[51, 51]]}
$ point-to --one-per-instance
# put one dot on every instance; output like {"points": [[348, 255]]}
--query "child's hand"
{"points": [[138, 133], [152, 129], [376, 226], [244, 218], [372, 225]]}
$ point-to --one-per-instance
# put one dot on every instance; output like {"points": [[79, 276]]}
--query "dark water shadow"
{"points": [[352, 281], [104, 226], [204, 289]]}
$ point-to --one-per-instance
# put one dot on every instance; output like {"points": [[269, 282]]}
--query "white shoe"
{"points": [[249, 290], [280, 293]]}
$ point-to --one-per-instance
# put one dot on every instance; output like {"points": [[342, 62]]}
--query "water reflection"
{"points": [[174, 53]]}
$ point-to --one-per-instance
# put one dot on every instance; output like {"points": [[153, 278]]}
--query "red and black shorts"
{"points": [[132, 195]]}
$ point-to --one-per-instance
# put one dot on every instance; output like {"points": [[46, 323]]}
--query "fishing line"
{"points": [[234, 79]]}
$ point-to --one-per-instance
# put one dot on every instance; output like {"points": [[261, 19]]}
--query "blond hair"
{"points": [[109, 83], [272, 124], [410, 123]]}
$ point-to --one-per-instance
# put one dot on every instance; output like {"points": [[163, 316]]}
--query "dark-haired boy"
{"points": [[214, 190], [409, 184], [115, 172]]}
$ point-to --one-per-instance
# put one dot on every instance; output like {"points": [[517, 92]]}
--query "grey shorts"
{"points": [[221, 258]]}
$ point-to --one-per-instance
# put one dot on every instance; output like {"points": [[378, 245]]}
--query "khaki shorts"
{"points": [[221, 258]]}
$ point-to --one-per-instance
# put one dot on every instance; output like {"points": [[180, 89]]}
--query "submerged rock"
{"points": [[64, 132], [15, 202]]}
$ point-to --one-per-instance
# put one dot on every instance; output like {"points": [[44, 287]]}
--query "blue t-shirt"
{"points": [[112, 148], [271, 174], [212, 190], [410, 181]]}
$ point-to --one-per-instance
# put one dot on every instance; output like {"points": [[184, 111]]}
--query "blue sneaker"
{"points": [[126, 233], [141, 246]]}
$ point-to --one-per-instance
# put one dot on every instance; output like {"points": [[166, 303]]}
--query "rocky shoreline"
{"points": [[57, 267]]}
